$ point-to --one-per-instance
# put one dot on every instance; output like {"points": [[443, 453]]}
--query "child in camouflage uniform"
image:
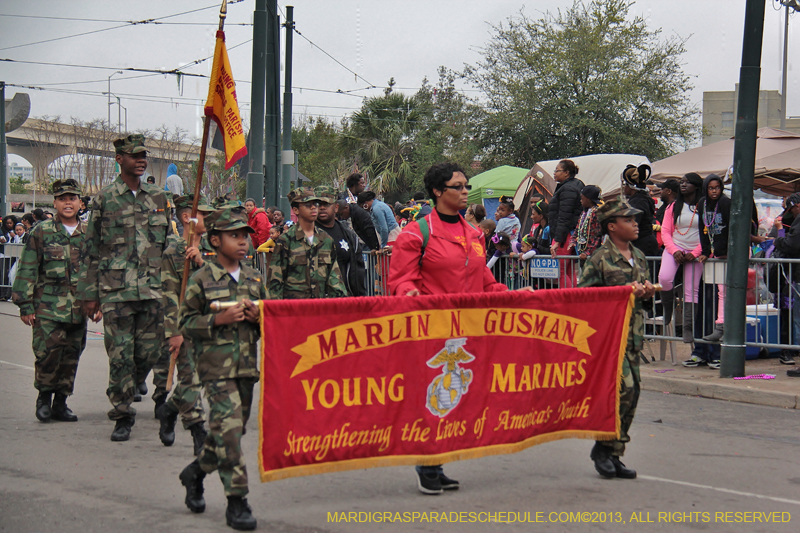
{"points": [[185, 399], [617, 262], [45, 291], [303, 264], [224, 347]]}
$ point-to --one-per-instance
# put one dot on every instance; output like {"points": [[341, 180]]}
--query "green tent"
{"points": [[489, 186]]}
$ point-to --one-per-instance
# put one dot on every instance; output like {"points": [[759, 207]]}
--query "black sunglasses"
{"points": [[460, 187]]}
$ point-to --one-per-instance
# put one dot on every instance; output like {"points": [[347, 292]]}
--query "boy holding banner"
{"points": [[618, 262], [224, 345]]}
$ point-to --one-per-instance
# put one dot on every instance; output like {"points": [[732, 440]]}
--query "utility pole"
{"points": [[744, 160], [3, 159], [287, 157], [272, 117], [255, 174]]}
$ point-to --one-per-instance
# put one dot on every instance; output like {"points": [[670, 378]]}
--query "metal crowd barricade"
{"points": [[11, 252], [770, 314]]}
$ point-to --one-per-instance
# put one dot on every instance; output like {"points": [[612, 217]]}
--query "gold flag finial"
{"points": [[223, 12]]}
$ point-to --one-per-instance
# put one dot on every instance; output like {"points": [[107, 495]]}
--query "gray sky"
{"points": [[377, 39]]}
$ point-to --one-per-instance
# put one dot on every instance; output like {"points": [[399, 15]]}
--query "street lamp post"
{"points": [[109, 95], [789, 4]]}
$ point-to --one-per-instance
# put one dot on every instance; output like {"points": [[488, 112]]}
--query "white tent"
{"points": [[603, 170]]}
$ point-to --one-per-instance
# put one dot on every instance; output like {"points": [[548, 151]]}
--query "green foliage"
{"points": [[584, 81], [16, 184], [319, 155]]}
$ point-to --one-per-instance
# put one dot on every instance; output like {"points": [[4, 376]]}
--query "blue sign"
{"points": [[544, 267]]}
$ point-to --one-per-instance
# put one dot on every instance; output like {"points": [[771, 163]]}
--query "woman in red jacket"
{"points": [[454, 261], [258, 220]]}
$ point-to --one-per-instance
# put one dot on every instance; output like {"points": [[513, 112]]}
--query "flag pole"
{"points": [[173, 356]]}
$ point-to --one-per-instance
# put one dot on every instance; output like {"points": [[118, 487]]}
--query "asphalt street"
{"points": [[700, 462]]}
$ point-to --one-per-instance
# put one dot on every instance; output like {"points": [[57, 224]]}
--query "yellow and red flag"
{"points": [[384, 381], [221, 104]]}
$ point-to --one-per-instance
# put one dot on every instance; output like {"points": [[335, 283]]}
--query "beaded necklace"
{"points": [[711, 224], [693, 209], [583, 228]]}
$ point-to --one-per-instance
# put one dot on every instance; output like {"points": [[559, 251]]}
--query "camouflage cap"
{"points": [[303, 195], [221, 202], [616, 208], [325, 193], [182, 202], [228, 219], [66, 186], [132, 144]]}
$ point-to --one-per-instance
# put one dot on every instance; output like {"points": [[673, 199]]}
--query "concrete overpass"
{"points": [[42, 142]]}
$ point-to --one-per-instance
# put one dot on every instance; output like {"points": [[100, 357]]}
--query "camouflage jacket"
{"points": [[222, 352], [125, 240], [606, 268], [47, 275], [302, 270], [171, 279]]}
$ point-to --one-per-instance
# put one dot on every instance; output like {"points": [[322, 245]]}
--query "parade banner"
{"points": [[363, 382], [221, 104]]}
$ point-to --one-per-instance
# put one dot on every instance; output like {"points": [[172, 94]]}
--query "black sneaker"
{"points": [[429, 483], [694, 361], [715, 364], [122, 430], [787, 358], [447, 483], [793, 373], [192, 478], [238, 515]]}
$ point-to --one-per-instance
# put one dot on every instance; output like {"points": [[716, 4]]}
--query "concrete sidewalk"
{"points": [[783, 391]]}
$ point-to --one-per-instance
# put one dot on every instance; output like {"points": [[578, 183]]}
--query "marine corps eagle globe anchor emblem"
{"points": [[446, 390]]}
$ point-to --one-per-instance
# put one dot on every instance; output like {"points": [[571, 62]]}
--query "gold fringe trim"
{"points": [[429, 460]]}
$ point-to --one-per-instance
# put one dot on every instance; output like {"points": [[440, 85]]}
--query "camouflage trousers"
{"points": [[160, 371], [133, 334], [57, 347], [229, 402], [629, 390], [185, 398]]}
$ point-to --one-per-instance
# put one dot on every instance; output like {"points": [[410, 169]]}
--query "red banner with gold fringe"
{"points": [[362, 382]]}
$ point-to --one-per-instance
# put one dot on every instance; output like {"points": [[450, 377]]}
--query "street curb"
{"points": [[732, 393]]}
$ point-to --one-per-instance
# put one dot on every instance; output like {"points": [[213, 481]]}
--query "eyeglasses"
{"points": [[460, 187]]}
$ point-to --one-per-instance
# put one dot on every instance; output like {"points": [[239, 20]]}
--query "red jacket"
{"points": [[258, 221], [448, 266]]}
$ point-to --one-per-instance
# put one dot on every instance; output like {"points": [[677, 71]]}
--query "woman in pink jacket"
{"points": [[453, 261], [681, 249]]}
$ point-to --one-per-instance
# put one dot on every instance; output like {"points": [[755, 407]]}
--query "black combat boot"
{"points": [[43, 411], [158, 403], [198, 437], [238, 515], [601, 456], [61, 411], [192, 478], [167, 417], [622, 471], [122, 429]]}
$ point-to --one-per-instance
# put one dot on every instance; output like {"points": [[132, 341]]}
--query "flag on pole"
{"points": [[221, 104]]}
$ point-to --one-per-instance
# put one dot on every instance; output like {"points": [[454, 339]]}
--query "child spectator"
{"points": [[507, 221], [502, 245], [540, 212], [225, 349], [618, 262], [488, 226], [714, 210], [588, 237]]}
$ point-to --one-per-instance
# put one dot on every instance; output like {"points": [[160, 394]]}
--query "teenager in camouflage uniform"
{"points": [[224, 346], [121, 276], [44, 290], [303, 269], [618, 262], [185, 399]]}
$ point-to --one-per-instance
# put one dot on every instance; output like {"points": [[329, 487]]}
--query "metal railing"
{"points": [[770, 315], [11, 253]]}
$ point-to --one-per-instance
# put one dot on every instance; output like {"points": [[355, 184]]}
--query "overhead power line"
{"points": [[126, 24]]}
